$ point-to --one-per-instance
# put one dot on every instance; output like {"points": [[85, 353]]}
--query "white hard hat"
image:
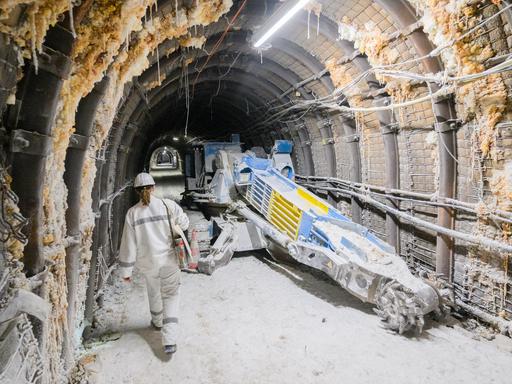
{"points": [[143, 180]]}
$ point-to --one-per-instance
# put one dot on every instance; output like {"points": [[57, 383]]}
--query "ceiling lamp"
{"points": [[283, 15]]}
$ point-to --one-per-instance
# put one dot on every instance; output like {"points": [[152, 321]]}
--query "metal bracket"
{"points": [[300, 126], [391, 128], [379, 93], [132, 126], [443, 97], [124, 149], [350, 57], [78, 141], [54, 62], [329, 140], [70, 241], [327, 123], [31, 143], [351, 138], [405, 31], [447, 126], [307, 143]]}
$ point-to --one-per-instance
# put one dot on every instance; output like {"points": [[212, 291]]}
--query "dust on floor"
{"points": [[257, 322]]}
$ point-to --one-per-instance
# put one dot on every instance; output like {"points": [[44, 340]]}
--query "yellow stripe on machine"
{"points": [[284, 215], [311, 199]]}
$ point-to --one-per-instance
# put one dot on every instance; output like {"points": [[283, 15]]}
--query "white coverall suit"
{"points": [[147, 244]]}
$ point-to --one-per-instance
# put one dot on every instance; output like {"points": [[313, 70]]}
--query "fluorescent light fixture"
{"points": [[176, 138], [282, 21]]}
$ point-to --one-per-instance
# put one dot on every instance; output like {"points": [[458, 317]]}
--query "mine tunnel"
{"points": [[336, 177]]}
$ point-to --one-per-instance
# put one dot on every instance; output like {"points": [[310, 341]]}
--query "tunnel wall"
{"points": [[142, 63]]}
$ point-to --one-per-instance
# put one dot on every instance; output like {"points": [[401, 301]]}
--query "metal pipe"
{"points": [[504, 326], [429, 199], [392, 191], [470, 239]]}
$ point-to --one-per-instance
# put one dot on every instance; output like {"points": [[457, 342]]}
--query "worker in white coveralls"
{"points": [[150, 228]]}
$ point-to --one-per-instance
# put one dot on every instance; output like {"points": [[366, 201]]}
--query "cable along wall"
{"points": [[385, 96]]}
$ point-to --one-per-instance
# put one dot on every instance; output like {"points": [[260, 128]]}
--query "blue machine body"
{"points": [[295, 210]]}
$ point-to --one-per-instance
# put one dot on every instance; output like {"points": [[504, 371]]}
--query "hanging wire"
{"points": [[187, 98]]}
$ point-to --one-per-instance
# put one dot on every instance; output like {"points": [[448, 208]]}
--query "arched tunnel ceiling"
{"points": [[394, 99], [236, 62], [235, 65]]}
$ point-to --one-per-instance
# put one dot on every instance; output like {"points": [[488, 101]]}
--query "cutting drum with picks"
{"points": [[255, 204]]}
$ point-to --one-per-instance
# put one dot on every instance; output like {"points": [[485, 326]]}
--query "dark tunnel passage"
{"points": [[398, 113]]}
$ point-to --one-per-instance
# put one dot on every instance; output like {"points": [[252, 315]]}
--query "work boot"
{"points": [[170, 349], [155, 327]]}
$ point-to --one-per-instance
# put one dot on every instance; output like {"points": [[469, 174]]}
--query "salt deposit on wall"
{"points": [[446, 23], [28, 32], [126, 66], [484, 100], [483, 103], [115, 37], [369, 40]]}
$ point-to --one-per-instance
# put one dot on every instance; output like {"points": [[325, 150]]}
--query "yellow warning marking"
{"points": [[284, 215], [311, 199]]}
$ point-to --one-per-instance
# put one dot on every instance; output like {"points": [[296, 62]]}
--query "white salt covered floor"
{"points": [[256, 322]]}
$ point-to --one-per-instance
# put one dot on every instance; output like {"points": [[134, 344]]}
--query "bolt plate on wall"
{"points": [[31, 143]]}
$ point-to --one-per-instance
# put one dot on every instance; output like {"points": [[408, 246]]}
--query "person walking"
{"points": [[150, 229]]}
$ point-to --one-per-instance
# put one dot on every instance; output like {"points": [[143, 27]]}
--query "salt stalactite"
{"points": [[486, 98], [33, 43], [187, 100], [370, 40], [193, 42], [71, 19], [318, 24], [31, 30], [316, 8], [176, 10], [100, 38], [309, 17], [158, 66]]}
